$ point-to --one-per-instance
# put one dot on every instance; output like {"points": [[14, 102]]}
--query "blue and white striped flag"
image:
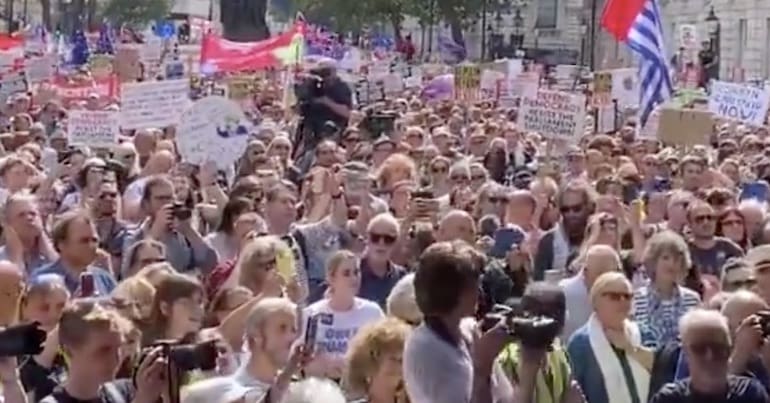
{"points": [[639, 24]]}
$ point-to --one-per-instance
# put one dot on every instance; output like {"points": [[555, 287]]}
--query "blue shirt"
{"points": [[31, 263], [103, 281], [376, 288]]}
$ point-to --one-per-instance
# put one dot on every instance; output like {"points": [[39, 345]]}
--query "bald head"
{"points": [[457, 224], [160, 162], [600, 259], [740, 305]]}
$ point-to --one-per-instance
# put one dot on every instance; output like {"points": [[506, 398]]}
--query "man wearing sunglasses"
{"points": [[706, 345], [378, 272]]}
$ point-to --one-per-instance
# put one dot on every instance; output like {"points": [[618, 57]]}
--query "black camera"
{"points": [[309, 88], [534, 331], [764, 321], [180, 211], [22, 340], [189, 357]]}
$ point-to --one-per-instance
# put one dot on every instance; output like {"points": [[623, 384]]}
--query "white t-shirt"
{"points": [[332, 340]]}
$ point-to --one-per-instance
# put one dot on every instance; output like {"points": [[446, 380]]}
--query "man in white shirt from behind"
{"points": [[598, 260]]}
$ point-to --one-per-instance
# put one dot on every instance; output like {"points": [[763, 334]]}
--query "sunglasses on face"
{"points": [[617, 296], [439, 170], [571, 209], [386, 238], [717, 349]]}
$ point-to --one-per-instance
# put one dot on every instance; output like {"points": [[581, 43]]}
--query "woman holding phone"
{"points": [[346, 314]]}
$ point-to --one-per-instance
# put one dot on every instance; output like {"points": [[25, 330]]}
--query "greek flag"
{"points": [[645, 38]]}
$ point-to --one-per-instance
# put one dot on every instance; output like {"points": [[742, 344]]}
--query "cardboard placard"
{"points": [[685, 127], [602, 88], [127, 64], [93, 128], [744, 103], [554, 114]]}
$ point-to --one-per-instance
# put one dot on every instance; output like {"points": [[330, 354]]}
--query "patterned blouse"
{"points": [[660, 317]]}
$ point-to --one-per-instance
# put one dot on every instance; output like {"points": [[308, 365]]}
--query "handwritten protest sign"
{"points": [[40, 68], [744, 103], [214, 129], [490, 84], [685, 127], [126, 63], [467, 82], [93, 128], [153, 104], [554, 114], [12, 83], [240, 87], [369, 92], [101, 66]]}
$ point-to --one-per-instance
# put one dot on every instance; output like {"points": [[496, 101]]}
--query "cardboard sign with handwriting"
{"points": [[685, 127]]}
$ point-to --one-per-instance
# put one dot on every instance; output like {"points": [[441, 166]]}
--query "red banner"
{"points": [[228, 56], [70, 91]]}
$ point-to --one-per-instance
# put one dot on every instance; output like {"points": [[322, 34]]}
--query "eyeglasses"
{"points": [[386, 238], [439, 170], [108, 195], [572, 209], [617, 296], [742, 284], [702, 219]]}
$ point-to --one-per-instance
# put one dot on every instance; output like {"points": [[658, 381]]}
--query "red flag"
{"points": [[619, 15], [229, 56]]}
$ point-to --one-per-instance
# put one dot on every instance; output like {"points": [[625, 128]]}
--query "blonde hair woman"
{"points": [[606, 354], [261, 268], [349, 312], [373, 372]]}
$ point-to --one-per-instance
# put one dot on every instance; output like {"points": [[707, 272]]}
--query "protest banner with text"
{"points": [[554, 114], [154, 104], [744, 103], [93, 128]]}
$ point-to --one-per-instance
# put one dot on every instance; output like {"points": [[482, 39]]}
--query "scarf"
{"points": [[612, 372]]}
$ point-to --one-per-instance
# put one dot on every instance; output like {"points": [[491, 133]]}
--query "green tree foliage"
{"points": [[136, 12]]}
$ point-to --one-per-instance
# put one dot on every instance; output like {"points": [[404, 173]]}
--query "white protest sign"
{"points": [[213, 129], [152, 50], [40, 68], [153, 103], [490, 81], [625, 87], [605, 122], [744, 103], [393, 84], [93, 128], [554, 114], [12, 83], [415, 80], [514, 67]]}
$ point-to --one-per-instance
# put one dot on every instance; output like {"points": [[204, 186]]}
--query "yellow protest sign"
{"points": [[602, 88], [467, 82]]}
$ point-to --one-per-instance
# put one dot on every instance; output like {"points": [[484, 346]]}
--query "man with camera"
{"points": [[91, 336], [322, 97], [170, 223]]}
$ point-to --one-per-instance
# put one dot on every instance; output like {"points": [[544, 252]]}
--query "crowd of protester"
{"points": [[364, 270]]}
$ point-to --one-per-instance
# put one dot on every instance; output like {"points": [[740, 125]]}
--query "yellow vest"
{"points": [[552, 380]]}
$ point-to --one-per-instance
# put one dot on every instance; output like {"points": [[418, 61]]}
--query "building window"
{"points": [[547, 11]]}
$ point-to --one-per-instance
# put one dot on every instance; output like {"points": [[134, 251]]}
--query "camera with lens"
{"points": [[533, 331], [190, 357], [180, 211], [22, 340], [309, 88], [764, 321]]}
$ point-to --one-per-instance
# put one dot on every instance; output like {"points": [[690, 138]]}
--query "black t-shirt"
{"points": [[739, 390], [710, 261], [340, 93]]}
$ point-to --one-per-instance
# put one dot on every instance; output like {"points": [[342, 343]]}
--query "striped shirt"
{"points": [[659, 316]]}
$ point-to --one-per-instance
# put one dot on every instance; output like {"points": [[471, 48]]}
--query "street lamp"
{"points": [[712, 24]]}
